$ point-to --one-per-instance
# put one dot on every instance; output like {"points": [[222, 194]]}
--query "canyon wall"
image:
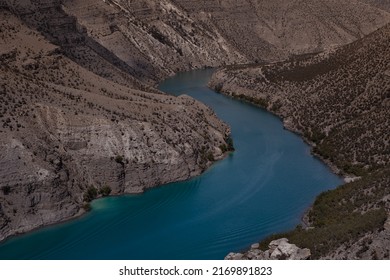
{"points": [[339, 101]]}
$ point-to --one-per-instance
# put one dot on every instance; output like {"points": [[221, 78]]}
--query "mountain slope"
{"points": [[381, 4], [265, 30], [67, 133], [158, 38], [78, 111], [340, 102]]}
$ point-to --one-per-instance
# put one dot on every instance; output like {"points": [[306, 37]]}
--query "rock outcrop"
{"points": [[279, 249]]}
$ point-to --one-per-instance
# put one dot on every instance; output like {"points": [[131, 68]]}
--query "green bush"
{"points": [[218, 87], [87, 207], [90, 194], [229, 146], [105, 190], [210, 156]]}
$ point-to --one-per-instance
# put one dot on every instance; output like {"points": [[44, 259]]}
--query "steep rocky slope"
{"points": [[66, 133], [154, 39], [157, 38], [266, 30], [340, 102], [381, 4]]}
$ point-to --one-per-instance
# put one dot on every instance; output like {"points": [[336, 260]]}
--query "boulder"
{"points": [[279, 249]]}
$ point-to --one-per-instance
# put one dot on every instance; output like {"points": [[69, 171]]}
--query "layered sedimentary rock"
{"points": [[65, 129], [266, 30], [381, 4], [157, 38]]}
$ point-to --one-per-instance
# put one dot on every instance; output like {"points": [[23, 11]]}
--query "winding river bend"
{"points": [[262, 188]]}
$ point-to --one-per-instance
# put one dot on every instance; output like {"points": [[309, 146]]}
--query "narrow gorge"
{"points": [[80, 115]]}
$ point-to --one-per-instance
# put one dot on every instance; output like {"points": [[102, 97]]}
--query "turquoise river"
{"points": [[264, 187]]}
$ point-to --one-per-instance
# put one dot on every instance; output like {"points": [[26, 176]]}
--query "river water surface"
{"points": [[264, 187]]}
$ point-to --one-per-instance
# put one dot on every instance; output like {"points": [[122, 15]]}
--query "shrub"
{"points": [[6, 190], [229, 143], [218, 87], [210, 156], [90, 194], [119, 159], [105, 190], [87, 207]]}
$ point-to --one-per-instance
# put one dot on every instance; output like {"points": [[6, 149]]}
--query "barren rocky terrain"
{"points": [[79, 116], [161, 37], [381, 4]]}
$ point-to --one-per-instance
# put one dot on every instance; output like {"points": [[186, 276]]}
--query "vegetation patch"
{"points": [[119, 159], [229, 146], [6, 190], [328, 237], [342, 215], [90, 194], [105, 190], [87, 207], [254, 100]]}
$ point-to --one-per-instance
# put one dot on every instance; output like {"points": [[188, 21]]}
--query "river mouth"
{"points": [[264, 187]]}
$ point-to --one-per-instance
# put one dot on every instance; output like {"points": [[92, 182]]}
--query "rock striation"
{"points": [[158, 38], [65, 129], [279, 249]]}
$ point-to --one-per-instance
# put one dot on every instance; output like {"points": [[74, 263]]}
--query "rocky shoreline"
{"points": [[279, 249]]}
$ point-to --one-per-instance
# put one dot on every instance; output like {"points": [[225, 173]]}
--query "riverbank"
{"points": [[86, 129], [228, 197], [240, 95], [345, 122]]}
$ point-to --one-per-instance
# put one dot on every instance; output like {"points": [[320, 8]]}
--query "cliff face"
{"points": [[381, 4], [157, 38], [154, 39], [269, 30], [339, 101], [64, 129]]}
